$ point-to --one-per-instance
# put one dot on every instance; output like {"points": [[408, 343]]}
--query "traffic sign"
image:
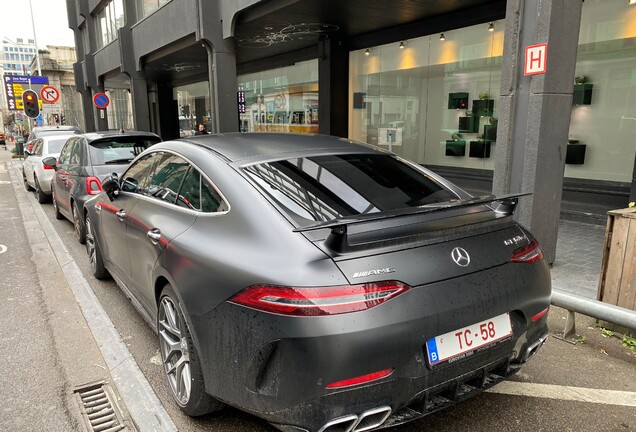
{"points": [[49, 94], [101, 100]]}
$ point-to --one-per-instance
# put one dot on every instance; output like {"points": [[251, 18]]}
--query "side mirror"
{"points": [[51, 161], [110, 185]]}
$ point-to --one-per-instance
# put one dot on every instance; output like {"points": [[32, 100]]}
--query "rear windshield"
{"points": [[55, 145], [325, 188], [119, 150]]}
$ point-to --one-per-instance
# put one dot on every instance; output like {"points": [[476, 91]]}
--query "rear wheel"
{"points": [[94, 254], [180, 358], [56, 208], [78, 224], [42, 197]]}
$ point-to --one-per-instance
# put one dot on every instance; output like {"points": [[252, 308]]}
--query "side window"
{"points": [[190, 193], [211, 201], [167, 178], [65, 154], [37, 148], [138, 175], [76, 153]]}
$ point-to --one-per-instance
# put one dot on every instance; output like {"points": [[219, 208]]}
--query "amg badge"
{"points": [[373, 272]]}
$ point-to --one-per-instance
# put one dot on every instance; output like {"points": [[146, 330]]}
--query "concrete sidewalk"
{"points": [[49, 316]]}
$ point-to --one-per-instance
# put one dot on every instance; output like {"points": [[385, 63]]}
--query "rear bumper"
{"points": [[285, 363]]}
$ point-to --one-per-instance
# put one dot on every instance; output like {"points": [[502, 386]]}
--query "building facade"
{"points": [[56, 63], [440, 83]]}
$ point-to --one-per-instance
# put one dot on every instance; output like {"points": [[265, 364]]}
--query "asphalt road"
{"points": [[587, 386]]}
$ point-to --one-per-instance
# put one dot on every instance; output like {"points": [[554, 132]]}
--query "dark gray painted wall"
{"points": [[175, 20]]}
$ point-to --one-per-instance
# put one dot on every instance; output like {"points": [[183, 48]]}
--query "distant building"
{"points": [[56, 63], [15, 59]]}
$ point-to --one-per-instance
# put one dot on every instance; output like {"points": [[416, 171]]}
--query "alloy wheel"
{"points": [[175, 350], [90, 245], [76, 222]]}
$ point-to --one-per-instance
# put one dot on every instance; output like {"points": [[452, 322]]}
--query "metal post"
{"points": [[35, 39]]}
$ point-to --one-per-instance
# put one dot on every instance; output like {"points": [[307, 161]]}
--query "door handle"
{"points": [[154, 235], [121, 214]]}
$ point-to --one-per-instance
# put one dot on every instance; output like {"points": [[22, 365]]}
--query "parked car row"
{"points": [[319, 283]]}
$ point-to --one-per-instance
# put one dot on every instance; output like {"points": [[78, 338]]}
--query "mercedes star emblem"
{"points": [[461, 257]]}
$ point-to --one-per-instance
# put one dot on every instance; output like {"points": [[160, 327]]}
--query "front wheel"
{"points": [[94, 254], [180, 358], [56, 208], [42, 197], [26, 183]]}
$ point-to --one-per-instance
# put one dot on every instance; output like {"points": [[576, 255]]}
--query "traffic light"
{"points": [[30, 103]]}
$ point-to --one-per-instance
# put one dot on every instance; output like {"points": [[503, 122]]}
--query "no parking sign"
{"points": [[101, 100]]}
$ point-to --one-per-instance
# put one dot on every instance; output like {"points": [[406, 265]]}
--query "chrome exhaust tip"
{"points": [[372, 419], [532, 349], [342, 424]]}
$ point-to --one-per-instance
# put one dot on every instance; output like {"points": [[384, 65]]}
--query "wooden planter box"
{"points": [[617, 284]]}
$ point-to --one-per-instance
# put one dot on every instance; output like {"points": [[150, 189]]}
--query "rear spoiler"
{"points": [[338, 238]]}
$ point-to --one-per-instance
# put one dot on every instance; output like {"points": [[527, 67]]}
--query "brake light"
{"points": [[361, 379], [47, 166], [93, 185], [317, 301], [530, 253]]}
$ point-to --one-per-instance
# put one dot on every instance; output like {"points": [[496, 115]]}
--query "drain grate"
{"points": [[99, 412]]}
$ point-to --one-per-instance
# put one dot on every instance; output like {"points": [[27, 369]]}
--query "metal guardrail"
{"points": [[593, 308]]}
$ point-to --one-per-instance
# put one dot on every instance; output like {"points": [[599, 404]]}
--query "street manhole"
{"points": [[99, 411]]}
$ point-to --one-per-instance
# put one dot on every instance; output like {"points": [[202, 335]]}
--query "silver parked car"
{"points": [[38, 175]]}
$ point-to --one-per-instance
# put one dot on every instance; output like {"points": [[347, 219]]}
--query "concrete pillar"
{"points": [[101, 115], [223, 88], [534, 112], [333, 87], [221, 69]]}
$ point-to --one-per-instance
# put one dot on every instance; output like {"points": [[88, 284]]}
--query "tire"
{"points": [[26, 184], [94, 254], [180, 358], [42, 197], [79, 226], [56, 208]]}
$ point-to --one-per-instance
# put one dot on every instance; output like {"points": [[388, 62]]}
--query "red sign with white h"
{"points": [[536, 56]]}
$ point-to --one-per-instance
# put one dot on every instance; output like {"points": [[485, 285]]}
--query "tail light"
{"points": [[361, 379], [530, 253], [93, 185], [317, 301], [47, 166]]}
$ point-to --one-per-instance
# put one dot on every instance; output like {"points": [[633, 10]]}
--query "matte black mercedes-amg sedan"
{"points": [[316, 282]]}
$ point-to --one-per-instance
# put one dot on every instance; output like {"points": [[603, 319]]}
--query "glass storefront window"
{"points": [[193, 102], [603, 123], [434, 100], [280, 100]]}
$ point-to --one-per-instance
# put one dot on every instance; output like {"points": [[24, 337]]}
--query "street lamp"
{"points": [[35, 39]]}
